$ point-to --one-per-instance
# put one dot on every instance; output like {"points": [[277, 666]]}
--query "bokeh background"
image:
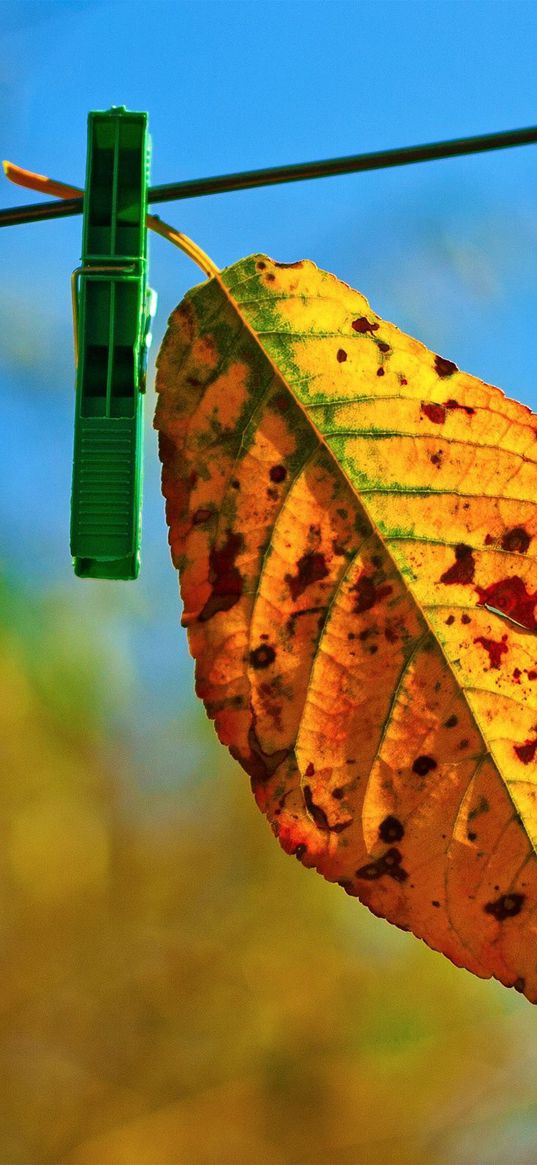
{"points": [[174, 990]]}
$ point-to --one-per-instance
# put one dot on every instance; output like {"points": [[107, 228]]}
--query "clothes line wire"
{"points": [[302, 171]]}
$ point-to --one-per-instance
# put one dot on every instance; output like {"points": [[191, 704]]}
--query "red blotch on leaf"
{"points": [[454, 404], [463, 568], [368, 594], [435, 413], [494, 648], [226, 581], [444, 367], [516, 540], [363, 325], [511, 597], [526, 752], [310, 568]]}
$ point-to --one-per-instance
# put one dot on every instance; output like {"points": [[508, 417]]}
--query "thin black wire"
{"points": [[272, 176]]}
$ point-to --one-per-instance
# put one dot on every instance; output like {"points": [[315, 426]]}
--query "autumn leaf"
{"points": [[354, 526]]}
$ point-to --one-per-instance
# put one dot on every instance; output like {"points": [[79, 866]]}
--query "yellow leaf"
{"points": [[354, 526]]}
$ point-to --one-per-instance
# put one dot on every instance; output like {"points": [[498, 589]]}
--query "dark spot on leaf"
{"points": [[403, 380], [436, 413], [310, 769], [392, 861], [391, 829], [516, 540], [260, 765], [363, 325], [532, 675], [261, 265], [517, 674], [225, 579], [390, 635], [435, 902], [465, 619], [310, 568], [511, 597], [278, 473], [450, 619], [315, 811], [463, 568], [201, 516], [341, 356], [382, 346], [167, 450], [452, 722], [489, 540], [444, 367], [270, 278], [454, 404], [380, 372], [463, 743], [300, 851], [262, 656], [338, 793], [436, 458], [389, 864], [282, 402], [235, 483], [291, 622], [373, 649], [471, 835], [423, 765], [494, 648], [287, 266], [526, 752], [481, 807], [367, 594], [505, 907]]}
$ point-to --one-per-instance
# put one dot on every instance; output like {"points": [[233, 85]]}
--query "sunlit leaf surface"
{"points": [[354, 524]]}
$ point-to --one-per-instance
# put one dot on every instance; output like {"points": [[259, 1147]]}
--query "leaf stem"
{"points": [[44, 185]]}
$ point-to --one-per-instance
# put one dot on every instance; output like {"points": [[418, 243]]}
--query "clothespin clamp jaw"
{"points": [[113, 308]]}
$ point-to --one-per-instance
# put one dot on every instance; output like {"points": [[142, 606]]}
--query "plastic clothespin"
{"points": [[113, 308]]}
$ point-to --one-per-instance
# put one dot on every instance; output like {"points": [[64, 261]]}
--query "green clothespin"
{"points": [[113, 308]]}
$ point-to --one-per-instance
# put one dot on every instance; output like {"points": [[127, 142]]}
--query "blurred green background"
{"points": [[176, 991]]}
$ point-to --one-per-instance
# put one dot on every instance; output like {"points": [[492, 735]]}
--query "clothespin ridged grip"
{"points": [[112, 318]]}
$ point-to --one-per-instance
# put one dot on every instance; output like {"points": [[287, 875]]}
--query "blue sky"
{"points": [[444, 249]]}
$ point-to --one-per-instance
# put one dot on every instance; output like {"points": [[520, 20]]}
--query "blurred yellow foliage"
{"points": [[176, 992]]}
